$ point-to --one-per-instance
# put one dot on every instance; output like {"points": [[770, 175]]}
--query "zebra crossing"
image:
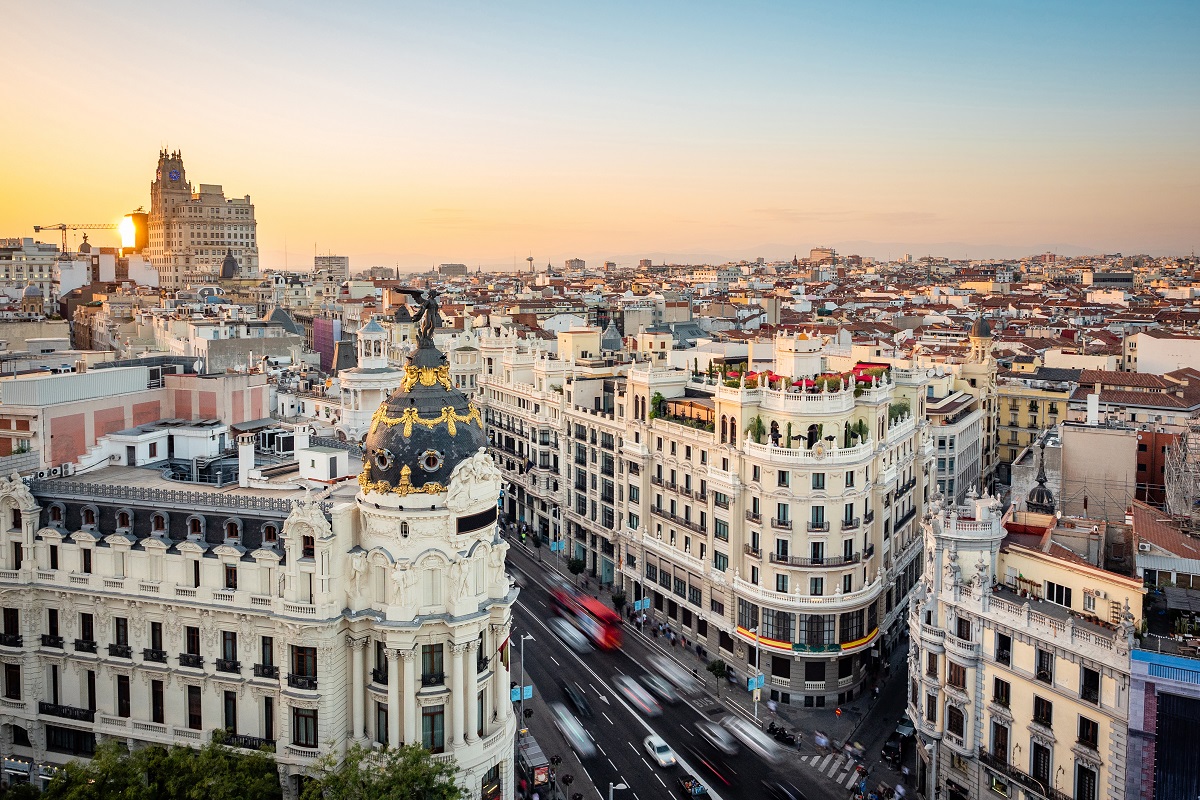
{"points": [[837, 767]]}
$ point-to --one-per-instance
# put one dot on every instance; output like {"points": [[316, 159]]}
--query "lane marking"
{"points": [[614, 766], [685, 730], [601, 749], [647, 763], [610, 722], [555, 660], [635, 750], [660, 780]]}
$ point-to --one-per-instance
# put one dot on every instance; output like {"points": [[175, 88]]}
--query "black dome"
{"points": [[980, 329], [424, 430], [229, 265]]}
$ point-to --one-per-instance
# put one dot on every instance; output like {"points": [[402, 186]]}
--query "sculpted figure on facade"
{"points": [[473, 481], [404, 578]]}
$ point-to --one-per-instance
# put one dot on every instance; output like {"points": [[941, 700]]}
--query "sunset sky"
{"points": [[419, 133]]}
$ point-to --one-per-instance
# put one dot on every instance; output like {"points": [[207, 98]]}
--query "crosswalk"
{"points": [[836, 767]]}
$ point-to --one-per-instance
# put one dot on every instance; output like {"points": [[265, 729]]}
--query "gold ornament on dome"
{"points": [[404, 488], [426, 376], [410, 417]]}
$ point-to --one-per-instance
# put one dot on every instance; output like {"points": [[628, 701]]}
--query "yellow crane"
{"points": [[64, 227]]}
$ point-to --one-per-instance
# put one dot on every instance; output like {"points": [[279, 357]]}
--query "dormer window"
{"points": [[158, 523], [270, 533], [56, 514], [89, 516], [232, 530], [195, 527], [123, 519]]}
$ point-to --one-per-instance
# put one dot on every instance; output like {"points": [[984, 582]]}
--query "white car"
{"points": [[753, 738], [637, 696], [572, 731], [660, 751], [570, 635], [718, 737]]}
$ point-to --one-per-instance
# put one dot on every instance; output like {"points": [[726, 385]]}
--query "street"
{"points": [[618, 731]]}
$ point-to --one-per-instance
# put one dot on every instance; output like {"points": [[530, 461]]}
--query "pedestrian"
{"points": [[876, 690], [771, 706], [683, 642], [655, 632], [901, 791], [904, 775]]}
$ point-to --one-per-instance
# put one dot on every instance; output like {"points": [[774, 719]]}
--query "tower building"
{"points": [[192, 231]]}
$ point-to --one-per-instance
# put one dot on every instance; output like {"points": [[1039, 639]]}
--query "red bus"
{"points": [[598, 622]]}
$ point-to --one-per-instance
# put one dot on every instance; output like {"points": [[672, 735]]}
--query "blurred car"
{"points": [[891, 748], [905, 727], [572, 730], [659, 750], [753, 738], [660, 688], [781, 790], [570, 635], [683, 680], [715, 766], [718, 737], [638, 697], [577, 699]]}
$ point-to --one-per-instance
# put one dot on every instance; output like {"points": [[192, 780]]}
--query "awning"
{"points": [[1182, 599], [254, 425]]}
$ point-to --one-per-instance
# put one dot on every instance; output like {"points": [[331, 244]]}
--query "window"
{"points": [[270, 533], [1039, 758], [721, 529], [781, 583], [1085, 783], [1000, 741], [850, 479], [269, 718], [720, 561], [191, 640], [304, 727], [1003, 649], [229, 645], [1089, 732], [785, 477], [53, 556], [120, 630], [955, 721], [816, 586], [1058, 594], [230, 711], [123, 696], [963, 629], [12, 681], [231, 576], [818, 480], [1089, 686], [156, 640], [956, 675], [931, 665], [432, 665], [195, 719], [304, 661], [931, 708], [158, 523], [153, 449], [433, 728], [1001, 692], [1045, 666], [1043, 711], [158, 709], [86, 555], [86, 629]]}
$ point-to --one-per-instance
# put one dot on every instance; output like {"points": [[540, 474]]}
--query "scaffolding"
{"points": [[1182, 478]]}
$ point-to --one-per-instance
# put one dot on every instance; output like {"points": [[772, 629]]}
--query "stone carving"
{"points": [[358, 572], [460, 578], [15, 488], [404, 578], [473, 481]]}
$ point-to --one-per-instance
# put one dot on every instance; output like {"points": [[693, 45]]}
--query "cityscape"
{"points": [[585, 452]]}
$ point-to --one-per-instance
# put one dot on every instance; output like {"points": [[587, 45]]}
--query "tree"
{"points": [[366, 774], [537, 545], [719, 670], [757, 429], [618, 601], [657, 402], [181, 773], [576, 566]]}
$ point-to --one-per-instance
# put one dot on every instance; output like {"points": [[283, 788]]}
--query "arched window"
{"points": [[270, 533], [307, 547], [123, 519], [732, 431], [195, 526], [232, 530], [89, 516], [404, 528], [56, 513], [813, 434], [724, 429], [158, 523]]}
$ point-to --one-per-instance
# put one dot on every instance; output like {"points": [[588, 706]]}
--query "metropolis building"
{"points": [[139, 609]]}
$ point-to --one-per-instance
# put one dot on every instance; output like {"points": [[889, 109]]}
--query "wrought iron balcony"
{"points": [[151, 654], [752, 551], [266, 671], [869, 516], [379, 675], [782, 524], [818, 527], [248, 742], [85, 645], [229, 665], [302, 681], [825, 561], [120, 651], [191, 660], [51, 641], [721, 504], [10, 639], [851, 524], [66, 712], [433, 678], [752, 517], [999, 764]]}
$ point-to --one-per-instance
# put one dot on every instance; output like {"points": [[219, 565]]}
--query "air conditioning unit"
{"points": [[55, 472], [1102, 594], [1143, 547], [68, 469]]}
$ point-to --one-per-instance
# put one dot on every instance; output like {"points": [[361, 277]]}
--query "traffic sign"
{"points": [[528, 695], [517, 694], [755, 682]]}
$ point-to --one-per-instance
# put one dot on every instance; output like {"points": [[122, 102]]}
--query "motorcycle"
{"points": [[781, 734]]}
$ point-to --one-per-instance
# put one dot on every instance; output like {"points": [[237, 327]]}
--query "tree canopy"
{"points": [[212, 772], [388, 774]]}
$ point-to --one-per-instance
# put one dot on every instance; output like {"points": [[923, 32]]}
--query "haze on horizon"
{"points": [[418, 133]]}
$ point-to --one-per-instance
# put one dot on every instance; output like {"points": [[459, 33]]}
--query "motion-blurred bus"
{"points": [[598, 622]]}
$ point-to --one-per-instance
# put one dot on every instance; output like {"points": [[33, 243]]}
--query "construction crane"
{"points": [[64, 227]]}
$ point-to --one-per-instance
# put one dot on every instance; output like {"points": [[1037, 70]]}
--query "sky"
{"points": [[411, 134]]}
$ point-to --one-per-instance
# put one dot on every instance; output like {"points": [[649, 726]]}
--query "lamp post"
{"points": [[524, 637], [612, 786], [757, 671]]}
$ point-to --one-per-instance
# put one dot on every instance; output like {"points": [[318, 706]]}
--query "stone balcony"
{"points": [[812, 603]]}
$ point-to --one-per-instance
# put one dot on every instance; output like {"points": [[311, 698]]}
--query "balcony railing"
{"points": [[67, 712], [751, 551], [851, 524], [824, 561], [753, 517], [51, 641], [229, 665], [869, 550], [818, 527], [900, 523], [10, 639], [191, 660], [302, 681], [379, 676], [120, 651], [721, 504], [248, 742], [782, 524], [85, 645], [1000, 764], [869, 516], [266, 671], [157, 656], [433, 678]]}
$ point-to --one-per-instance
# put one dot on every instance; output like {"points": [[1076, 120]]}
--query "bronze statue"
{"points": [[428, 315]]}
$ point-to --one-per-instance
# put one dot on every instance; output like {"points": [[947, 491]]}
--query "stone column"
{"points": [[359, 710], [393, 657], [471, 692], [456, 693], [500, 688], [410, 696]]}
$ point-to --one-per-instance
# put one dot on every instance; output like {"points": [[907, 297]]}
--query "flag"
{"points": [[504, 651]]}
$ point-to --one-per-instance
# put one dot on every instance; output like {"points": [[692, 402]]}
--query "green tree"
{"points": [[657, 403], [757, 429], [212, 772], [618, 601], [575, 566], [366, 774], [719, 670], [537, 545]]}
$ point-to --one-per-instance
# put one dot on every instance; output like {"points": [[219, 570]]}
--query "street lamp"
{"points": [[524, 637], [757, 671], [612, 786]]}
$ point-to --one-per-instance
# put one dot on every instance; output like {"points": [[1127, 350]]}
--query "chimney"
{"points": [[245, 458], [302, 438], [1093, 409]]}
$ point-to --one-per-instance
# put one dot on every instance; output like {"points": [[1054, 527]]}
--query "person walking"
{"points": [[904, 775]]}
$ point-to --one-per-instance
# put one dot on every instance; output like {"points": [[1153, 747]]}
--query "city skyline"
{"points": [[480, 135]]}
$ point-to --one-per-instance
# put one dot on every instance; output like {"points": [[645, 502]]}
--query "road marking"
{"points": [[834, 770], [601, 749], [555, 660], [610, 722], [824, 763], [542, 604], [851, 780], [660, 780], [632, 747], [685, 730], [614, 766], [647, 763], [594, 689]]}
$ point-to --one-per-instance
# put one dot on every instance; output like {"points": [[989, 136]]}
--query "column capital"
{"points": [[458, 648], [407, 655], [357, 643]]}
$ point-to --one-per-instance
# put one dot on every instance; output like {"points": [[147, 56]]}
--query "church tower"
{"points": [[979, 372]]}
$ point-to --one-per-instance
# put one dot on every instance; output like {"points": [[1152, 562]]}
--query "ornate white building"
{"points": [[153, 612]]}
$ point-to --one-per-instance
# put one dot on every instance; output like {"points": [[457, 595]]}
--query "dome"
{"points": [[426, 428], [31, 291], [980, 329], [229, 266]]}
